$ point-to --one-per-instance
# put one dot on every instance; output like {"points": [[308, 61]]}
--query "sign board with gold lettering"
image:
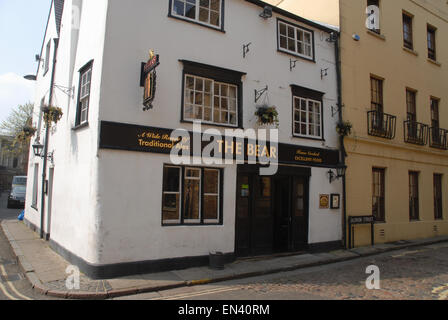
{"points": [[120, 136]]}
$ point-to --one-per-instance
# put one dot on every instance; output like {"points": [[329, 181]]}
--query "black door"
{"points": [[300, 217], [243, 216], [282, 212]]}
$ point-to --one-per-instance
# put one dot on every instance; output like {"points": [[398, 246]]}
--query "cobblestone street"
{"points": [[414, 274]]}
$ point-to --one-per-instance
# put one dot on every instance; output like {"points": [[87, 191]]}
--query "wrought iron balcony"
{"points": [[416, 133], [381, 124], [438, 138]]}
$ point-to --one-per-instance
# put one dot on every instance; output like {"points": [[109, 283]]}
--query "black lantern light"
{"points": [[38, 148], [340, 172]]}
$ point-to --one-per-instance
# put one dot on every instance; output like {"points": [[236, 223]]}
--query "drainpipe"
{"points": [[47, 135], [341, 138]]}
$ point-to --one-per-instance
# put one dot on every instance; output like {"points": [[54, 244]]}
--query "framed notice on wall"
{"points": [[335, 201], [324, 201]]}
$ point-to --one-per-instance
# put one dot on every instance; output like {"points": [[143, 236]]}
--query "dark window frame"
{"points": [[408, 21], [380, 214], [47, 57], [414, 196], [88, 66], [431, 42], [196, 21], [438, 196], [377, 100], [202, 219], [299, 92], [218, 74]]}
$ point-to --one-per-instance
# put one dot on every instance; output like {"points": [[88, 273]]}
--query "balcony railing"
{"points": [[416, 133], [438, 138], [381, 124]]}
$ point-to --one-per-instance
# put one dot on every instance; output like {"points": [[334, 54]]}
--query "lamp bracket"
{"points": [[259, 93], [292, 64], [246, 49]]}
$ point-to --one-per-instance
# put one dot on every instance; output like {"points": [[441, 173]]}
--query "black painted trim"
{"points": [[325, 246], [217, 74], [220, 29]]}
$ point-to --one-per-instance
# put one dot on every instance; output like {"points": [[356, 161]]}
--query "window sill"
{"points": [[379, 36], [308, 138], [197, 23], [415, 53], [80, 126], [35, 208], [380, 222], [220, 125], [434, 62], [297, 55]]}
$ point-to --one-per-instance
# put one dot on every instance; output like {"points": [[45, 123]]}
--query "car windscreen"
{"points": [[19, 181], [19, 190]]}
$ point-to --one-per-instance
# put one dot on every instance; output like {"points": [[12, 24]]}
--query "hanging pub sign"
{"points": [[149, 80]]}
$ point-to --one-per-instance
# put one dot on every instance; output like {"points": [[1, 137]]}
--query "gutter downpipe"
{"points": [[341, 138], [47, 135]]}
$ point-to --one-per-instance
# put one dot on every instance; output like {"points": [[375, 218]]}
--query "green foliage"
{"points": [[267, 115], [344, 128]]}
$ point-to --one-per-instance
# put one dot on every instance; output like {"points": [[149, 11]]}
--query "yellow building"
{"points": [[395, 93], [394, 61]]}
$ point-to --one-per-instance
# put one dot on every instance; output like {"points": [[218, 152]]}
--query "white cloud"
{"points": [[14, 90]]}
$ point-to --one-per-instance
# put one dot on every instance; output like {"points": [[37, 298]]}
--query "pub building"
{"points": [[136, 79]]}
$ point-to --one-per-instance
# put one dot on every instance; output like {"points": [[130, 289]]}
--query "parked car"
{"points": [[19, 181], [16, 198]]}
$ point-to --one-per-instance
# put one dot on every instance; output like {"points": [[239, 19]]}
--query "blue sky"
{"points": [[22, 27]]}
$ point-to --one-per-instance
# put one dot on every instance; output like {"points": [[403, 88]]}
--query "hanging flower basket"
{"points": [[267, 115], [25, 135], [52, 114], [344, 128]]}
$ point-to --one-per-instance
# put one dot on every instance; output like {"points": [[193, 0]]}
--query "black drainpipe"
{"points": [[47, 135], [341, 138]]}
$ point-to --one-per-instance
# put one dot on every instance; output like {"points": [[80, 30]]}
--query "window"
{"points": [[378, 195], [438, 211], [295, 40], [376, 93], [307, 117], [191, 196], [431, 34], [210, 101], [413, 196], [35, 185], [435, 122], [85, 79], [47, 57], [411, 105], [407, 32], [373, 16], [207, 12]]}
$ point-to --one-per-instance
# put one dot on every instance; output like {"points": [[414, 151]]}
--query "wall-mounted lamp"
{"points": [[267, 13], [30, 77], [246, 49], [333, 37], [38, 58], [38, 151], [340, 172], [356, 37]]}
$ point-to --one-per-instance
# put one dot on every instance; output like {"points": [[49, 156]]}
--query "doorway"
{"points": [[272, 211]]}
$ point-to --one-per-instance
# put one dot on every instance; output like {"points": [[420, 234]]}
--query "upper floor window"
{"points": [[85, 78], [373, 16], [407, 31], [47, 57], [431, 43], [207, 12], [212, 95], [435, 119], [376, 93], [308, 117], [295, 40]]}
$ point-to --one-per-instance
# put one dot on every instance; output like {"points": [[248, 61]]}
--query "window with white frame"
{"points": [[295, 40], [210, 101], [84, 94], [207, 12], [191, 195], [35, 186], [307, 118], [47, 57]]}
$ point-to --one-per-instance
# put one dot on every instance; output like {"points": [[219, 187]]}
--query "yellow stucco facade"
{"points": [[383, 56]]}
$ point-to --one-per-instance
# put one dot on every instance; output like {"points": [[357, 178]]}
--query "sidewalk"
{"points": [[45, 269]]}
